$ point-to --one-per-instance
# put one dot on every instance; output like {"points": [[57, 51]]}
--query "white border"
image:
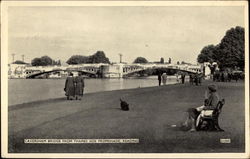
{"points": [[4, 79]]}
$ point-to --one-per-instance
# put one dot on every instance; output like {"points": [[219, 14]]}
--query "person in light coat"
{"points": [[164, 78]]}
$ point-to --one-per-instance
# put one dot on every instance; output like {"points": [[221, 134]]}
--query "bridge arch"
{"points": [[157, 70], [66, 71]]}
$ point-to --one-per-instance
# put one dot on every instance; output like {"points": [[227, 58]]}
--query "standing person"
{"points": [[164, 78], [177, 77], [70, 87], [159, 78], [191, 79], [183, 78], [225, 76], [196, 78], [79, 82], [200, 76], [221, 76], [229, 76]]}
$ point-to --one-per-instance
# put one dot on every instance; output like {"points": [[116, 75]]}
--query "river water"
{"points": [[28, 90]]}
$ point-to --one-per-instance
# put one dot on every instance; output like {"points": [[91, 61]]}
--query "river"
{"points": [[28, 90]]}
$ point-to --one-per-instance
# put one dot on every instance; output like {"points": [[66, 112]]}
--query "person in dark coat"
{"points": [[79, 83], [70, 87], [211, 100], [191, 79], [200, 76], [159, 78], [183, 78], [196, 79]]}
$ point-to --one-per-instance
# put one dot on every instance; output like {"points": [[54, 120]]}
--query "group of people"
{"points": [[162, 77], [74, 87], [195, 79], [225, 76]]}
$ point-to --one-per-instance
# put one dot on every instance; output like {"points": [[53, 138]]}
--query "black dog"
{"points": [[124, 105]]}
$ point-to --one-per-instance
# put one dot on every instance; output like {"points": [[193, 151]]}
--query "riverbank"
{"points": [[26, 90], [152, 112]]}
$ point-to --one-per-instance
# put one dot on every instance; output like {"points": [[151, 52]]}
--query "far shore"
{"points": [[153, 112]]}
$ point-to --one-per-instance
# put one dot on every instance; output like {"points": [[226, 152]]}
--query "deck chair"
{"points": [[208, 118]]}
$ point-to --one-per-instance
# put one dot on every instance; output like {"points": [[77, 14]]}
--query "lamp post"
{"points": [[13, 58], [120, 58], [23, 58]]}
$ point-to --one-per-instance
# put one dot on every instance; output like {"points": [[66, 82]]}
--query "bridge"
{"points": [[103, 70], [130, 69], [90, 70]]}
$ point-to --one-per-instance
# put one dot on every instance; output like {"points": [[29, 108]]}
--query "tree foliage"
{"points": [[206, 54], [98, 57], [77, 59], [229, 53], [19, 62], [43, 61], [140, 60]]}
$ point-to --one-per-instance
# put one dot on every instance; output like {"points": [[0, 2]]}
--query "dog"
{"points": [[124, 105]]}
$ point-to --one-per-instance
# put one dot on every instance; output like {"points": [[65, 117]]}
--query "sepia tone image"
{"points": [[129, 78]]}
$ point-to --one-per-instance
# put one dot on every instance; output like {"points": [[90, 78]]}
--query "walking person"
{"points": [[79, 83], [159, 78], [164, 78], [70, 87]]}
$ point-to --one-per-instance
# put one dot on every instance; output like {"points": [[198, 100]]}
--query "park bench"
{"points": [[208, 118]]}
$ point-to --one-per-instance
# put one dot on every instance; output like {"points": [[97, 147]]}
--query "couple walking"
{"points": [[163, 78], [74, 87]]}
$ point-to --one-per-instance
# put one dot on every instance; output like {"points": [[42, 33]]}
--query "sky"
{"points": [[178, 33]]}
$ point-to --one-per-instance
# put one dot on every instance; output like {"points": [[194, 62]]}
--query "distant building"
{"points": [[17, 70]]}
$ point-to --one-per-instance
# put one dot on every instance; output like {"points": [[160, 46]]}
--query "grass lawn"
{"points": [[152, 112]]}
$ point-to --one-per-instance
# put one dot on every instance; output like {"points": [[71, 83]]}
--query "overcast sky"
{"points": [[151, 32]]}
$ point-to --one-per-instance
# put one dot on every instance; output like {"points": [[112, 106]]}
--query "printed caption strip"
{"points": [[225, 141], [78, 141]]}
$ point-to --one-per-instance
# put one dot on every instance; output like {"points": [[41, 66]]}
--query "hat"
{"points": [[212, 88]]}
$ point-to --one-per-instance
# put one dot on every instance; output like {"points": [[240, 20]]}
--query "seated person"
{"points": [[211, 101]]}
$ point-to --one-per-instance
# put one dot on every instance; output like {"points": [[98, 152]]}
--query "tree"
{"points": [[98, 57], [19, 62], [77, 59], [229, 53], [207, 54], [36, 62], [59, 63], [162, 60], [46, 60], [43, 61], [178, 62], [232, 49], [169, 60], [140, 60]]}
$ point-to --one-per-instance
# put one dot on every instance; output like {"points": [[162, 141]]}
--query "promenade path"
{"points": [[152, 112]]}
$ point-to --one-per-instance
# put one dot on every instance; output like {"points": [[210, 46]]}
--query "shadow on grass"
{"points": [[35, 103]]}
